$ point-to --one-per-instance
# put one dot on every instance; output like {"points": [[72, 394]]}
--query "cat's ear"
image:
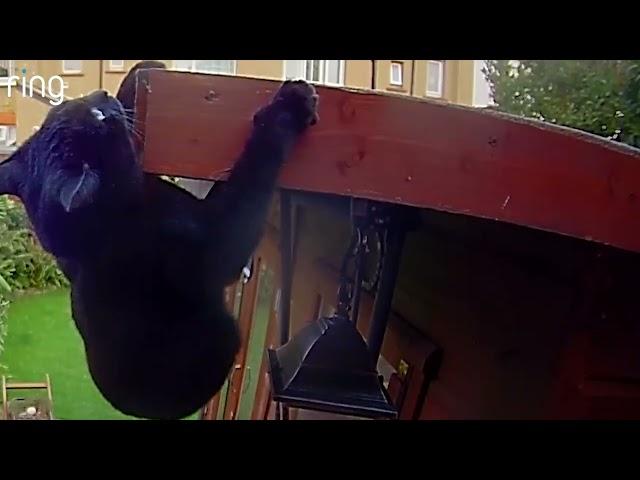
{"points": [[79, 190], [127, 91], [12, 174]]}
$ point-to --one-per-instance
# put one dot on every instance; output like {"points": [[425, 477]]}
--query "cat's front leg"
{"points": [[240, 206]]}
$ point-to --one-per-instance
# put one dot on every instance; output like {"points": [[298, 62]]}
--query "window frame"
{"points": [[323, 72], [435, 93], [4, 80], [192, 69], [116, 68], [67, 71], [400, 69]]}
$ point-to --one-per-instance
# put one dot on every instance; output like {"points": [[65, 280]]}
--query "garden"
{"points": [[37, 334]]}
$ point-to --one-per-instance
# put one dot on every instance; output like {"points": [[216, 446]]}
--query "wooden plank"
{"points": [[247, 307], [263, 391], [404, 150], [210, 410], [608, 389], [5, 407], [26, 386]]}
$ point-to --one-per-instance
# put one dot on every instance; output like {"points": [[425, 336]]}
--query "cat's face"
{"points": [[82, 148]]}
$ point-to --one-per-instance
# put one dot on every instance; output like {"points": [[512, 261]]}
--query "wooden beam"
{"points": [[404, 150], [26, 386]]}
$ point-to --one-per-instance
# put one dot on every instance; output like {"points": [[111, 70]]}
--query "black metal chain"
{"points": [[365, 229]]}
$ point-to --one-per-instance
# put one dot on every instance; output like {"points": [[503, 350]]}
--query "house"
{"points": [[7, 111], [455, 81]]}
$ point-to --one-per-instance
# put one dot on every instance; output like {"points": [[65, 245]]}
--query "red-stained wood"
{"points": [[210, 410], [263, 390], [245, 319], [404, 150]]}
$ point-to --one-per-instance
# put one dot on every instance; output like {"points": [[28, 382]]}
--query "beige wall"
{"points": [[450, 81], [358, 73], [458, 81], [111, 78], [465, 82], [76, 84], [458, 77], [261, 68], [383, 76], [31, 113], [95, 74], [82, 83], [7, 103]]}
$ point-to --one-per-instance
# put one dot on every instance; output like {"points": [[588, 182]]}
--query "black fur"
{"points": [[147, 261]]}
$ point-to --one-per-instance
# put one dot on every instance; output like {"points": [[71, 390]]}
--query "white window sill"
{"points": [[5, 150]]}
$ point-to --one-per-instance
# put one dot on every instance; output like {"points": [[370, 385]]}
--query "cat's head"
{"points": [[83, 147], [83, 151]]}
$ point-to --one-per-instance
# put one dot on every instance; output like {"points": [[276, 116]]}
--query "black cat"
{"points": [[147, 261]]}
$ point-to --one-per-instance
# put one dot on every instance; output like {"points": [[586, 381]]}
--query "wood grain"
{"points": [[404, 150]]}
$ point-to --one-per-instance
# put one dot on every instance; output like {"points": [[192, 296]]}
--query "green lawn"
{"points": [[42, 339]]}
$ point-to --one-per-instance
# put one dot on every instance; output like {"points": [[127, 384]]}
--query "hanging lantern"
{"points": [[327, 366]]}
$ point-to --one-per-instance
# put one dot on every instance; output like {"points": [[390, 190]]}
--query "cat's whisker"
{"points": [[131, 118], [136, 132]]}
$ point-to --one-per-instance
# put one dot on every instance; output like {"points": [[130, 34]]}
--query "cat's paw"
{"points": [[294, 107], [299, 99]]}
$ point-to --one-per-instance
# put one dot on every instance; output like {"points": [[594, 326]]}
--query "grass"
{"points": [[41, 339]]}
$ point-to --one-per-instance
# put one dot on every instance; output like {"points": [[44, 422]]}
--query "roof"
{"points": [[404, 150]]}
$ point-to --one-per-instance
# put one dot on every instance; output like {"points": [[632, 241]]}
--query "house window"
{"points": [[396, 74], [435, 78], [71, 66], [330, 72], [6, 68], [7, 135], [206, 66], [117, 65], [6, 71]]}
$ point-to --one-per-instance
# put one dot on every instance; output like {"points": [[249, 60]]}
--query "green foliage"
{"points": [[4, 304], [24, 265], [597, 96]]}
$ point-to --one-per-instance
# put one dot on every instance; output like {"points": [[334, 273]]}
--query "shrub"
{"points": [[24, 265]]}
